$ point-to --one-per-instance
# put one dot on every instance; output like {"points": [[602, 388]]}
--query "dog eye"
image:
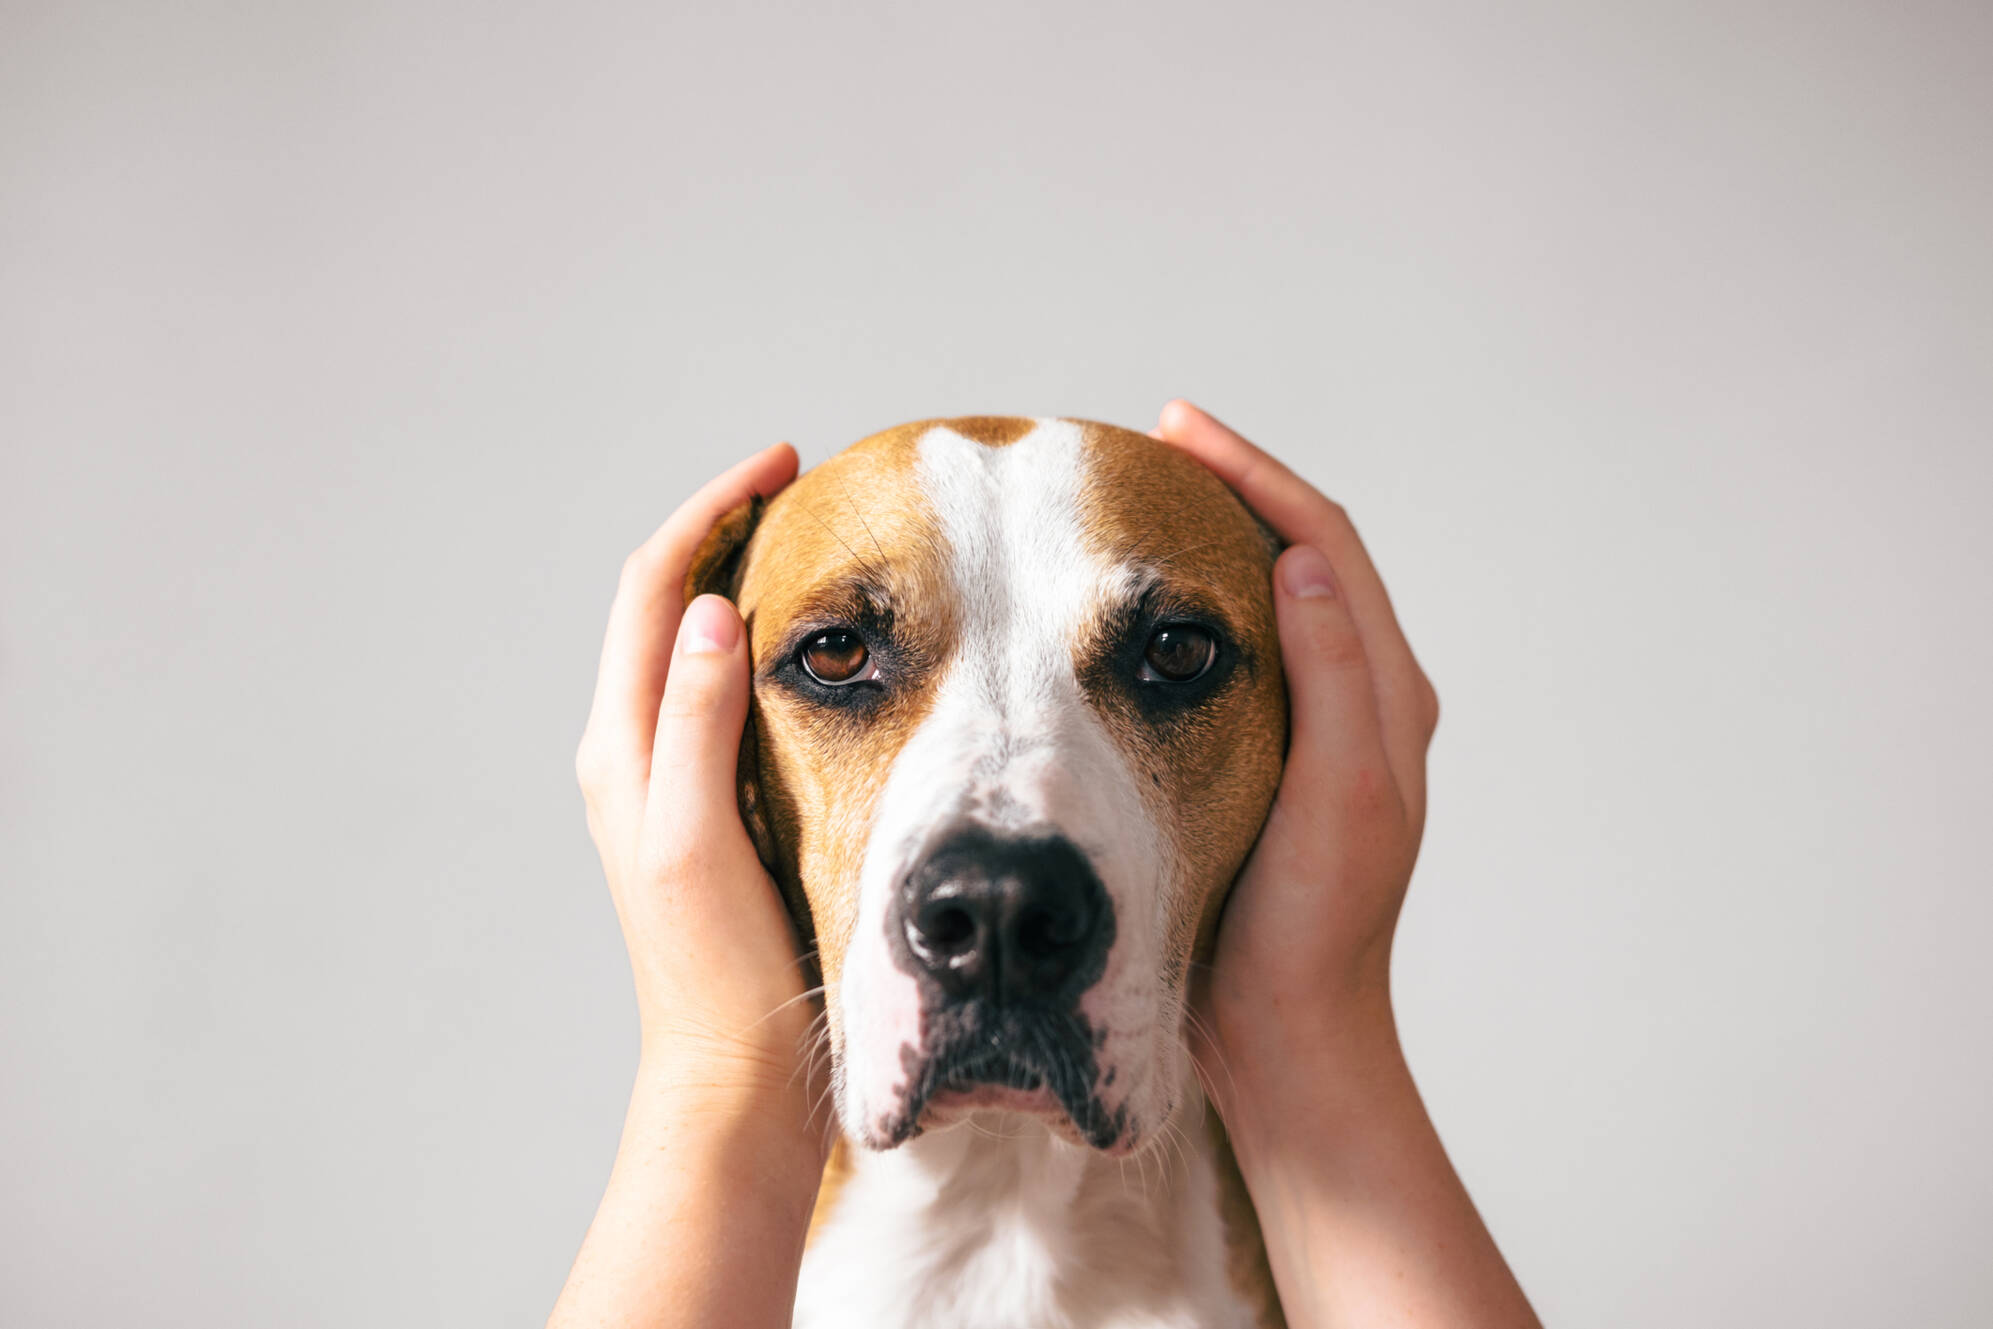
{"points": [[1178, 653], [835, 657]]}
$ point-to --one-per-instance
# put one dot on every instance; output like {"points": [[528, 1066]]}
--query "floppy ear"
{"points": [[716, 570], [716, 564], [1274, 544]]}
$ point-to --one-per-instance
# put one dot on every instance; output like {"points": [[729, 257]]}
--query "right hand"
{"points": [[720, 990]]}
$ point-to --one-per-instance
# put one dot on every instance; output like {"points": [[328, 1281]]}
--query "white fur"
{"points": [[955, 1227], [997, 1224]]}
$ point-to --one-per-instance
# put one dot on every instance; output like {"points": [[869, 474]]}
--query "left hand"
{"points": [[1301, 974]]}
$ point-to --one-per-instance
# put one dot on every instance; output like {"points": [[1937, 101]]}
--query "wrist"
{"points": [[735, 1103], [1315, 1084]]}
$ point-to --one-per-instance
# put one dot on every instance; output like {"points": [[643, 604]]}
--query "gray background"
{"points": [[345, 349]]}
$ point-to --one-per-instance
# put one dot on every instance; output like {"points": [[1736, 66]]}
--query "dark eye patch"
{"points": [[1165, 652], [841, 653]]}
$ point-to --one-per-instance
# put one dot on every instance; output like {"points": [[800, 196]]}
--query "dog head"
{"points": [[1018, 718]]}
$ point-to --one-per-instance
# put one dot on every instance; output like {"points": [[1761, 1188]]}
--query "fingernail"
{"points": [[710, 628], [1307, 575]]}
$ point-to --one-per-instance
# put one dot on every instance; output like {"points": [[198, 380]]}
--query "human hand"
{"points": [[704, 1216], [719, 987], [1304, 947]]}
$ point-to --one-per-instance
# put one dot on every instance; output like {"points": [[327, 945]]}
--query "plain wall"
{"points": [[345, 349]]}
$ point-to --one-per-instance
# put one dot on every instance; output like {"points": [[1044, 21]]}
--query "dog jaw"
{"points": [[999, 555]]}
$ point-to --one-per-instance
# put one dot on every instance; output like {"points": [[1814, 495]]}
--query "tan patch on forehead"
{"points": [[857, 519], [1210, 774], [993, 431]]}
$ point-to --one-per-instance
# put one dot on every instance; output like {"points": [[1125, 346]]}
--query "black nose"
{"points": [[1012, 920]]}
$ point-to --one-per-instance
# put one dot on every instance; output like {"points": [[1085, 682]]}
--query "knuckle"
{"points": [[1374, 819], [671, 859], [1370, 798], [699, 689], [1334, 520], [690, 701], [596, 768], [1334, 646], [679, 712], [588, 772], [644, 564], [659, 858]]}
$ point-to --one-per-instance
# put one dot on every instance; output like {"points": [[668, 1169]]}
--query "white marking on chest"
{"points": [[997, 1225]]}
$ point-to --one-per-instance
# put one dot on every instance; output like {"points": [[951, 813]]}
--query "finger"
{"points": [[643, 622], [693, 808], [1337, 759], [716, 922], [1302, 515]]}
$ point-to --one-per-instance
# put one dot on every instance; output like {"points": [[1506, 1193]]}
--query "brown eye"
{"points": [[1179, 652], [834, 657]]}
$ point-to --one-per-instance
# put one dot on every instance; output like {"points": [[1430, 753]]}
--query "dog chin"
{"points": [[996, 1103], [1084, 1121], [952, 1104], [1001, 1112]]}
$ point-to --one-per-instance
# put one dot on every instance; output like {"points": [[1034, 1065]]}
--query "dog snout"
{"points": [[1015, 921]]}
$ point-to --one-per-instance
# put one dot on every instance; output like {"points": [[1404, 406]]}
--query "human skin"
{"points": [[703, 1222]]}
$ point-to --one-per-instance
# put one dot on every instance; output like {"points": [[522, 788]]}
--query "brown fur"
{"points": [[836, 1171], [1245, 1247]]}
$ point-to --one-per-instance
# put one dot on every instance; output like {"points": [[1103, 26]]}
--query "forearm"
{"points": [[1365, 1221], [704, 1217]]}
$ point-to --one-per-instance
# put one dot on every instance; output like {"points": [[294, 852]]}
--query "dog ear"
{"points": [[1274, 544], [716, 564], [716, 570]]}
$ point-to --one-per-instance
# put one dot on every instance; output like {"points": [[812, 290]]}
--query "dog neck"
{"points": [[998, 1222]]}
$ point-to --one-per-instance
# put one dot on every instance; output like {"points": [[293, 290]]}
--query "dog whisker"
{"points": [[804, 995], [1201, 1028], [815, 1047], [1186, 550], [860, 514], [856, 557]]}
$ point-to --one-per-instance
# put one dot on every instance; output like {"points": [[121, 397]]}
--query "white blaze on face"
{"points": [[1012, 743]]}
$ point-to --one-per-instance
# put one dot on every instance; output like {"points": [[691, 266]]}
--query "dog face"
{"points": [[1017, 720]]}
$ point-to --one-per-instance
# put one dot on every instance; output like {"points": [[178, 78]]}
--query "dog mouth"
{"points": [[1009, 1062], [996, 1082], [995, 1069]]}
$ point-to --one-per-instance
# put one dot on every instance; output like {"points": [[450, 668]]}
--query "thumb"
{"points": [[1336, 751], [719, 953], [693, 800]]}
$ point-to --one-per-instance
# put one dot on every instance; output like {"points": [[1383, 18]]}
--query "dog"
{"points": [[1017, 721]]}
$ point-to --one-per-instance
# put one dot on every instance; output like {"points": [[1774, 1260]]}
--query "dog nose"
{"points": [[1012, 920]]}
